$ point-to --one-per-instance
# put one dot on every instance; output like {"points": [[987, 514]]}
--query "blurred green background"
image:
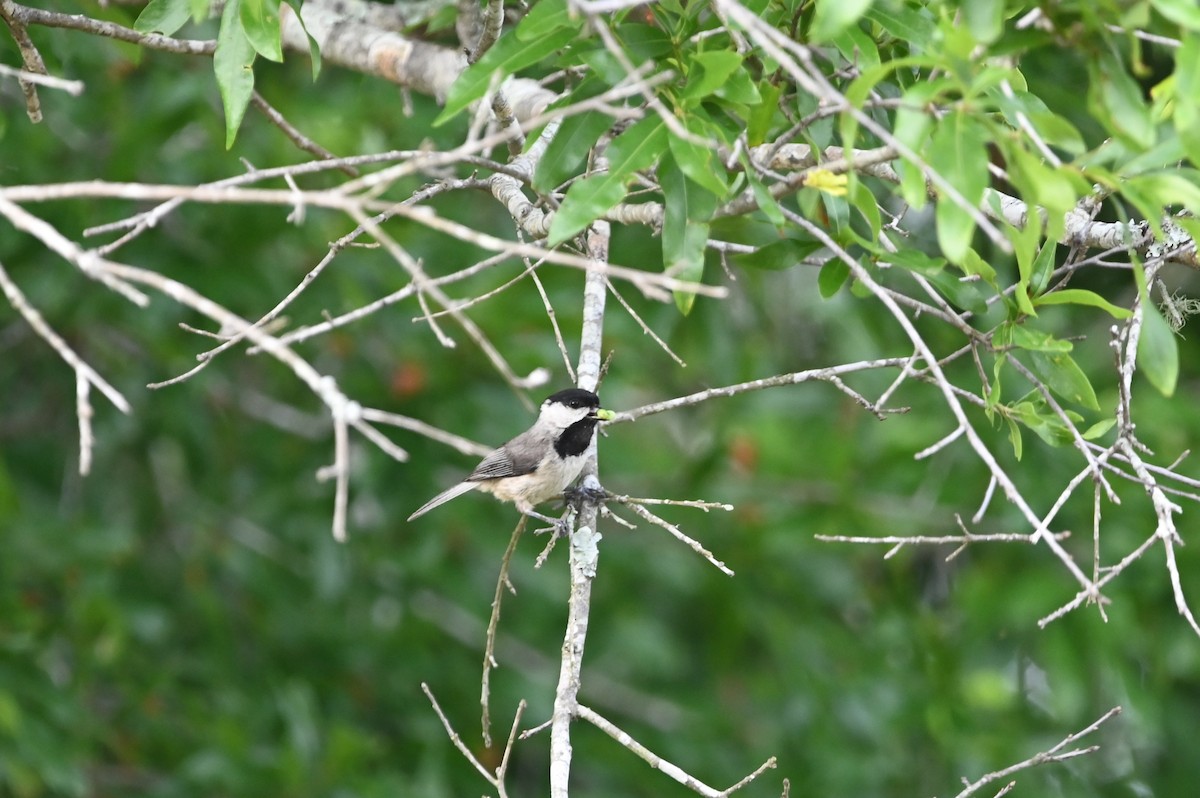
{"points": [[180, 623]]}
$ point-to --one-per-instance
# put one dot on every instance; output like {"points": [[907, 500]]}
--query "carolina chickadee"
{"points": [[541, 462]]}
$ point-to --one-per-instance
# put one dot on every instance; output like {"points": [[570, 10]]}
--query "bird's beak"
{"points": [[604, 415]]}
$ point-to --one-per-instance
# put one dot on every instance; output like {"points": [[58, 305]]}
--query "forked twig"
{"points": [[489, 649], [658, 763], [1049, 755], [495, 779], [679, 535]]}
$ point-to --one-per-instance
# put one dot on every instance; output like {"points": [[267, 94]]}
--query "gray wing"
{"points": [[513, 459]]}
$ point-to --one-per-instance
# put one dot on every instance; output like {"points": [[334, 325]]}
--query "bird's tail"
{"points": [[443, 497]]}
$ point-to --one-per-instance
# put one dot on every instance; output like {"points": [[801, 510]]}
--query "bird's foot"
{"points": [[588, 492], [560, 526]]}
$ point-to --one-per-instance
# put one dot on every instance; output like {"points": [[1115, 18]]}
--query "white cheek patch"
{"points": [[559, 417]]}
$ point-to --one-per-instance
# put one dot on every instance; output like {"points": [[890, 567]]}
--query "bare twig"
{"points": [[87, 262], [795, 378], [645, 327], [10, 12], [489, 649], [679, 535], [553, 317], [668, 769], [1054, 754], [110, 30], [950, 394], [495, 779], [293, 134], [651, 283], [72, 87], [898, 541], [456, 442], [342, 409], [533, 662], [85, 375], [694, 503]]}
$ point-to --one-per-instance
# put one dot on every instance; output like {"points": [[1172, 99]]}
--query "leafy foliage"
{"points": [[1009, 175]]}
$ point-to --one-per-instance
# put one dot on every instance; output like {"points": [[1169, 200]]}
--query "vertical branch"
{"points": [[593, 308], [585, 540], [29, 54]]}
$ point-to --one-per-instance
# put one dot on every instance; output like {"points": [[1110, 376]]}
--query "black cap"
{"points": [[575, 397]]}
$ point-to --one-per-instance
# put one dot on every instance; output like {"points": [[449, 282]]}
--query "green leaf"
{"points": [[857, 47], [1053, 129], [314, 49], [1187, 95], [589, 199], [865, 203], [913, 118], [1025, 337], [1045, 425], [1027, 265], [958, 153], [569, 148], [837, 210], [163, 16], [1043, 267], [1158, 350], [832, 277], [906, 24], [766, 202], [994, 391], [975, 266], [546, 28], [917, 261], [585, 202], [698, 162], [638, 147], [708, 71], [260, 21], [1182, 12], [604, 66], [1024, 304], [687, 209], [779, 255], [545, 18], [1168, 152], [1161, 189], [1043, 185], [1098, 429], [1081, 296], [739, 90], [233, 64], [1025, 242], [912, 185], [763, 113], [1058, 132], [1116, 100], [959, 293], [644, 43], [1014, 437], [833, 16], [1063, 376], [985, 19]]}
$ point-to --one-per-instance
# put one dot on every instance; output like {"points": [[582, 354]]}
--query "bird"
{"points": [[539, 464]]}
